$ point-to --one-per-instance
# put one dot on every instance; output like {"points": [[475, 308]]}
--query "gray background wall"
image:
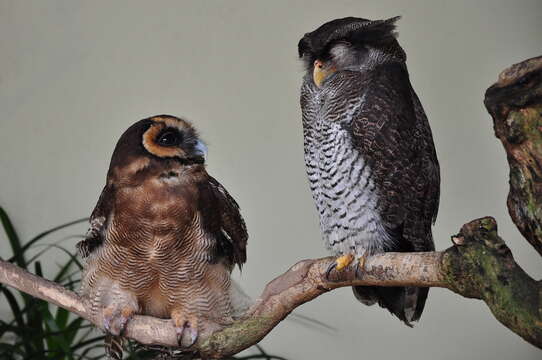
{"points": [[74, 75]]}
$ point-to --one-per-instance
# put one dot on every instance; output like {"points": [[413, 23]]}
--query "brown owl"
{"points": [[164, 235]]}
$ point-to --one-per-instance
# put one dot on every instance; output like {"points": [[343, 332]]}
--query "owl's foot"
{"points": [[343, 261], [186, 328], [115, 318], [339, 264]]}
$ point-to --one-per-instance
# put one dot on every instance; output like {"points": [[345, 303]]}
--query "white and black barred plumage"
{"points": [[369, 153]]}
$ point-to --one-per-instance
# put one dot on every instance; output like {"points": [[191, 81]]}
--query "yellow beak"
{"points": [[321, 72]]}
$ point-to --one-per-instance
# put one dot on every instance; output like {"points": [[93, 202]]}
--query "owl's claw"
{"points": [[361, 265], [344, 261], [339, 264], [186, 329], [115, 320], [330, 269]]}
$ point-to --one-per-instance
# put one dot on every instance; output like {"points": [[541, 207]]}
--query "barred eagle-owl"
{"points": [[369, 153]]}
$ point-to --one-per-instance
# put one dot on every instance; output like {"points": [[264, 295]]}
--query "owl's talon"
{"points": [[339, 264], [343, 261], [186, 329], [361, 265], [193, 335], [107, 324], [179, 331], [123, 321], [115, 320], [330, 269]]}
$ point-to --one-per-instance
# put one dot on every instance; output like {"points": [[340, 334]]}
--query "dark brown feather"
{"points": [[227, 224], [98, 222], [399, 147], [396, 141]]}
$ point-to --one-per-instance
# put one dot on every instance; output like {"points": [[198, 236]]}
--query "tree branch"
{"points": [[479, 265]]}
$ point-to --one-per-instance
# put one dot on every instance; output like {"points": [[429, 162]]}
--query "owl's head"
{"points": [[349, 44], [158, 142]]}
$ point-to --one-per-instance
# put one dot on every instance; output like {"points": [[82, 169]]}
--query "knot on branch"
{"points": [[295, 275], [481, 266], [479, 253]]}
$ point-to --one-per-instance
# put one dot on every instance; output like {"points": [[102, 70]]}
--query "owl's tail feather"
{"points": [[406, 303], [113, 347]]}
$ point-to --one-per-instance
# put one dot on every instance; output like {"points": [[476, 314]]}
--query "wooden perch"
{"points": [[478, 265]]}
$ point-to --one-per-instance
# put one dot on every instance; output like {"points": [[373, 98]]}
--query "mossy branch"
{"points": [[481, 266]]}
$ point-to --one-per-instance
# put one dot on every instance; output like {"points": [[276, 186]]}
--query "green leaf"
{"points": [[73, 329], [45, 233], [55, 344], [61, 317], [64, 269], [92, 341], [34, 320], [83, 355], [14, 305], [8, 351], [48, 247], [70, 284], [15, 242]]}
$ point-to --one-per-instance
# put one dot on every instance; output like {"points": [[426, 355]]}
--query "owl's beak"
{"points": [[320, 72], [201, 149]]}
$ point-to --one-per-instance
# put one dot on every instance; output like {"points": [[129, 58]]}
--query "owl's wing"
{"points": [[98, 222], [229, 226], [398, 147]]}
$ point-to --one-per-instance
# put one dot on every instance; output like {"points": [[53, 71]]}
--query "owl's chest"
{"points": [[339, 177], [155, 233], [340, 180], [329, 158], [329, 152]]}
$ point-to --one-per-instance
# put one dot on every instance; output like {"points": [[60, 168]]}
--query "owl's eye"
{"points": [[169, 138]]}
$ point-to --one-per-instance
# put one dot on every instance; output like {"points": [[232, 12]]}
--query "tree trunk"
{"points": [[515, 103]]}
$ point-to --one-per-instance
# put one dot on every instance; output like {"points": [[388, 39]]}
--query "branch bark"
{"points": [[515, 104], [479, 265]]}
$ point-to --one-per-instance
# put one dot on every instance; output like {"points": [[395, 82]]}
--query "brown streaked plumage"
{"points": [[164, 235]]}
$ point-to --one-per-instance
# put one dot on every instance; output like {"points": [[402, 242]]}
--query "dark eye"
{"points": [[169, 138]]}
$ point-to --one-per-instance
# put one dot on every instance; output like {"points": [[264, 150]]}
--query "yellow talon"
{"points": [[344, 261]]}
